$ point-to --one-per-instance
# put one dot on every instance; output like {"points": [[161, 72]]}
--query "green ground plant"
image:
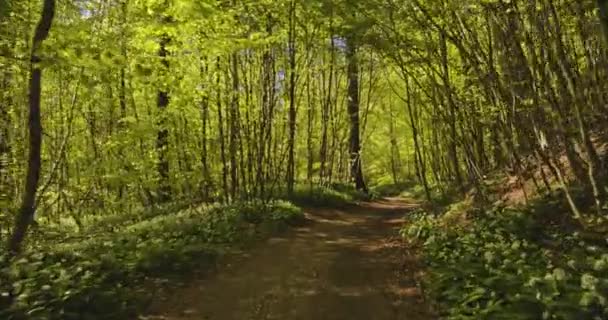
{"points": [[336, 195], [504, 264], [96, 275]]}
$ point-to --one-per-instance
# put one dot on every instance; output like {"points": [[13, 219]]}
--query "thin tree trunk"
{"points": [[5, 123], [603, 11], [395, 155], [220, 125], [326, 106], [205, 139], [234, 128], [292, 98], [162, 139], [309, 129], [26, 213], [453, 148], [420, 168]]}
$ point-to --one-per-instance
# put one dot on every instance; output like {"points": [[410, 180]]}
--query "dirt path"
{"points": [[344, 265]]}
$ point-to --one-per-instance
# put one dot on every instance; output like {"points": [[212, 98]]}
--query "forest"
{"points": [[150, 148]]}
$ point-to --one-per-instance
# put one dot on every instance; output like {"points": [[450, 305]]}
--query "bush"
{"points": [[496, 267]]}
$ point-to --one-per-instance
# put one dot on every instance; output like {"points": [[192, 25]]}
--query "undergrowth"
{"points": [[411, 189], [391, 189], [505, 263], [335, 195], [93, 275]]}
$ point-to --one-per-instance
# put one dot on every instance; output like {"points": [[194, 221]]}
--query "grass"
{"points": [[95, 274]]}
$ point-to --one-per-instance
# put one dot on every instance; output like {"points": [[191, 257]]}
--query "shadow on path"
{"points": [[346, 264]]}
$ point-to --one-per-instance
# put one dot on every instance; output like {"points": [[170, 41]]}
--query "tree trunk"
{"points": [[220, 125], [205, 139], [26, 213], [292, 98], [395, 158], [5, 124], [453, 147], [233, 120], [326, 105], [418, 161], [356, 170], [603, 6], [309, 130], [162, 140]]}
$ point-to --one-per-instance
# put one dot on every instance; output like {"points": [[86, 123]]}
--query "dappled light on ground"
{"points": [[343, 264]]}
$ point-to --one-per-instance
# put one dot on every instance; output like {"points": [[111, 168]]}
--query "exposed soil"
{"points": [[345, 264]]}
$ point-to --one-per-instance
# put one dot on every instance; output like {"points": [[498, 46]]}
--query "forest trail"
{"points": [[342, 264]]}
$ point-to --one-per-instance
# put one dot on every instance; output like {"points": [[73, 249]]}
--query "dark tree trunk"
{"points": [[292, 98], [233, 118], [162, 141], [309, 130], [205, 140], [395, 154], [5, 123], [220, 125], [122, 95], [26, 213], [356, 170], [326, 106], [603, 6]]}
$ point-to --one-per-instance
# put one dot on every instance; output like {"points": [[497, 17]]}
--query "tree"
{"points": [[353, 113], [25, 216], [5, 105], [292, 98], [509, 87], [603, 10], [162, 140]]}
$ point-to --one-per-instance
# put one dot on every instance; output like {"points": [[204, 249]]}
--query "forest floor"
{"points": [[344, 263]]}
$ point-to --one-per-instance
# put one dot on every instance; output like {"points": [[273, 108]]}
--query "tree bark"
{"points": [[204, 68], [233, 120], [418, 160], [356, 170], [26, 213], [603, 6], [292, 98], [220, 125], [162, 140], [5, 123], [453, 146], [326, 105]]}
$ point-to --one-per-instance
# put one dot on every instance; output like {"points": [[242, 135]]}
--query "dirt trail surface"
{"points": [[344, 264]]}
